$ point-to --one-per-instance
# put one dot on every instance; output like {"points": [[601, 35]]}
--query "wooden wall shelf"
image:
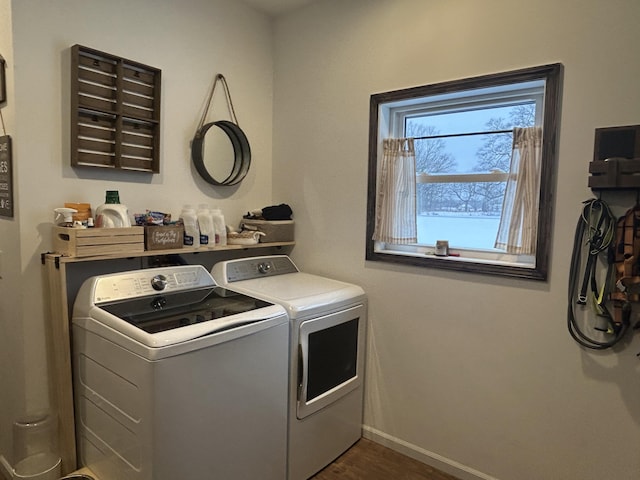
{"points": [[615, 173], [115, 112], [172, 251], [616, 158]]}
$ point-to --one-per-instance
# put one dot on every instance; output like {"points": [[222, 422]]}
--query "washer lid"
{"points": [[162, 312], [169, 305], [173, 318]]}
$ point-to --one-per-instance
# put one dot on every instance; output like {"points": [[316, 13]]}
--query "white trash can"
{"points": [[40, 466], [35, 441]]}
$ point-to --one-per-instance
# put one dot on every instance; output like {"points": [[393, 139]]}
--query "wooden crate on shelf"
{"points": [[274, 230], [88, 242]]}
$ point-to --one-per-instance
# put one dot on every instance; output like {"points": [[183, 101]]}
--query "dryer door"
{"points": [[331, 358]]}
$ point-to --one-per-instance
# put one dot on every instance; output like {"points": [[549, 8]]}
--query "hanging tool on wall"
{"points": [[612, 245], [625, 257], [610, 271]]}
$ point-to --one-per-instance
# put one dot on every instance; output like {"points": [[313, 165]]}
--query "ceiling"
{"points": [[277, 7]]}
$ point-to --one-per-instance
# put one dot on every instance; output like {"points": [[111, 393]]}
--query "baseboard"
{"points": [[430, 458], [6, 471]]}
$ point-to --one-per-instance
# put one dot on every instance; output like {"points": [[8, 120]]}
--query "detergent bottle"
{"points": [[112, 214], [219, 226], [207, 229], [191, 231]]}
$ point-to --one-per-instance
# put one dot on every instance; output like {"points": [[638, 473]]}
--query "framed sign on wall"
{"points": [[6, 176], [3, 83]]}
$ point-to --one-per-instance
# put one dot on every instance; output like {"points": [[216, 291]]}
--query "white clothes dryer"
{"points": [[326, 355], [175, 377]]}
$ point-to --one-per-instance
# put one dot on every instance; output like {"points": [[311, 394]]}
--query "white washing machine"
{"points": [[326, 364], [177, 378]]}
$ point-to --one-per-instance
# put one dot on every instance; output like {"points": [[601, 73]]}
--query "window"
{"points": [[463, 173]]}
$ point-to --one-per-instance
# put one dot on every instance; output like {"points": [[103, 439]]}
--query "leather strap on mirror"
{"points": [[225, 86]]}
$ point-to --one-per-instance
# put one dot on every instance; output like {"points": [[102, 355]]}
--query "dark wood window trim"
{"points": [[552, 75]]}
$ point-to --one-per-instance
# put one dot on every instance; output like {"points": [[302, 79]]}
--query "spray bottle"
{"points": [[64, 216]]}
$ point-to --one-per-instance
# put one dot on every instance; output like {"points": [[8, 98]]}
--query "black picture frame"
{"points": [[6, 177], [3, 82]]}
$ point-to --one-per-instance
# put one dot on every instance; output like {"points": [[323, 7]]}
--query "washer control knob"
{"points": [[264, 268], [159, 282]]}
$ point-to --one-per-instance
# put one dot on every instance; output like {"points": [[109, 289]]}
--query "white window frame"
{"points": [[388, 112]]}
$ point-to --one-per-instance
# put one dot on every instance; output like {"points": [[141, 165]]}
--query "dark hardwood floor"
{"points": [[367, 460]]}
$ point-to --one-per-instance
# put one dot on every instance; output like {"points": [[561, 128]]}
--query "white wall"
{"points": [[12, 379], [475, 371], [190, 41]]}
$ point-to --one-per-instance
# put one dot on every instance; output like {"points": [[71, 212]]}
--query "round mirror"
{"points": [[227, 156], [218, 154]]}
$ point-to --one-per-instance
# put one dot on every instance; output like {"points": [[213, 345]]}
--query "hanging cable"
{"points": [[4, 131], [595, 230]]}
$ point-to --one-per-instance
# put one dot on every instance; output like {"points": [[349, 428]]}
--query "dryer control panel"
{"points": [[256, 267]]}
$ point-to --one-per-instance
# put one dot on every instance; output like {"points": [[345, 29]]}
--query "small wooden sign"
{"points": [[6, 178], [163, 237]]}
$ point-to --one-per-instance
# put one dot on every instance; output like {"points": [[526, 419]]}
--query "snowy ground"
{"points": [[461, 231]]}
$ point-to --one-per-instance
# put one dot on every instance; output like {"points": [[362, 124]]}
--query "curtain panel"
{"points": [[396, 194], [518, 230]]}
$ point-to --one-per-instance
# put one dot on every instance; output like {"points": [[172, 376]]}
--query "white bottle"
{"points": [[112, 214], [220, 226], [191, 231], [205, 224]]}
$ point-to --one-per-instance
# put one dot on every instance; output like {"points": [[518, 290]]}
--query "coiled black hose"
{"points": [[595, 229]]}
